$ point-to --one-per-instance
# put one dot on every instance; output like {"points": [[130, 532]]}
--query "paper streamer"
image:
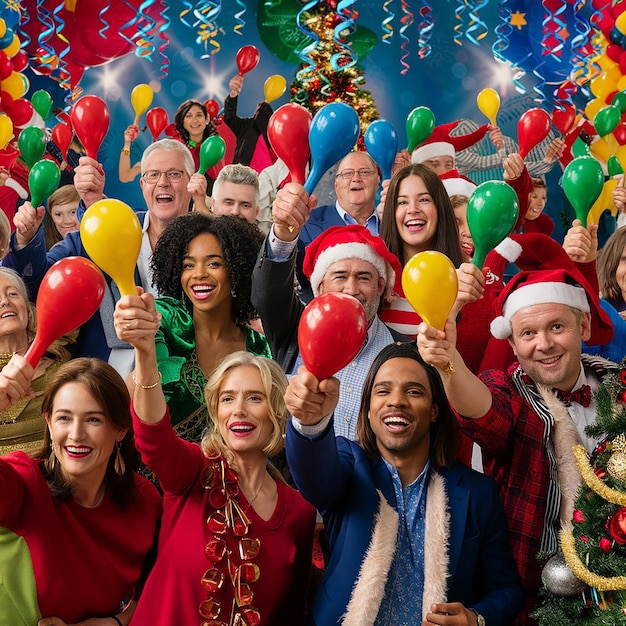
{"points": [[305, 52], [386, 25], [551, 29], [583, 71], [186, 14], [502, 31], [425, 28], [205, 12], [458, 27], [164, 66], [144, 36], [240, 22], [406, 20], [62, 61], [476, 24], [47, 21], [346, 58]]}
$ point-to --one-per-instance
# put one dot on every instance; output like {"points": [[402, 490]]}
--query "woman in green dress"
{"points": [[202, 266]]}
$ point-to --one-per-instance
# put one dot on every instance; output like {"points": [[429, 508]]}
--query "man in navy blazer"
{"points": [[412, 536]]}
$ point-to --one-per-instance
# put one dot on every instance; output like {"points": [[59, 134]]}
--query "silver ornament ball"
{"points": [[559, 579]]}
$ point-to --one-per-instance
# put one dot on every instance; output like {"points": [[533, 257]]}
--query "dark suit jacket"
{"points": [[337, 477]]}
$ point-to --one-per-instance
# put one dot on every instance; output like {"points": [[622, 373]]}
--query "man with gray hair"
{"points": [[236, 192], [169, 184]]}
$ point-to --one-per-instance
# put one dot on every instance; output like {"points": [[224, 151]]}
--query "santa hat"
{"points": [[349, 242], [442, 143], [548, 276], [456, 184]]}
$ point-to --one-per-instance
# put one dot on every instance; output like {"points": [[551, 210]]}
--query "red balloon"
{"points": [[21, 112], [212, 108], [533, 127], [6, 65], [170, 131], [288, 132], [613, 51], [90, 120], [62, 136], [69, 294], [7, 101], [247, 59], [331, 332], [20, 61], [563, 119], [619, 132], [157, 120]]}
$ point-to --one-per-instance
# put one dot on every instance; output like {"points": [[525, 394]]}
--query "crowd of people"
{"points": [[176, 456]]}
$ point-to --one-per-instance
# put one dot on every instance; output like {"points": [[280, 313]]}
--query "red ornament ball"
{"points": [[617, 526], [605, 544]]}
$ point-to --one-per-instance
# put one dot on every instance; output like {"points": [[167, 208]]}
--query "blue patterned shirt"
{"points": [[402, 603]]}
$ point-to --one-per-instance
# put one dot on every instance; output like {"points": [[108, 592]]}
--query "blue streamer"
{"points": [[25, 19], [347, 57], [425, 28], [552, 24], [145, 32], [538, 87], [128, 24], [239, 26], [386, 25], [164, 66], [46, 19], [187, 11], [206, 11], [60, 25], [502, 31], [406, 20], [476, 23], [305, 52], [458, 27], [582, 40]]}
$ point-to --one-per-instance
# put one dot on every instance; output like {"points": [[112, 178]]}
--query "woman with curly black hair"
{"points": [[202, 266]]}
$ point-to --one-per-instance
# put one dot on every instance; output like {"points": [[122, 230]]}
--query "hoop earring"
{"points": [[51, 462], [119, 465], [233, 293]]}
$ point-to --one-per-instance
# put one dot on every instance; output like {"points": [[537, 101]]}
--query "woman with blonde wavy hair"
{"points": [[236, 542]]}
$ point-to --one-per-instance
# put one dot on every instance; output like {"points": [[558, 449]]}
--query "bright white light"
{"points": [[215, 84]]}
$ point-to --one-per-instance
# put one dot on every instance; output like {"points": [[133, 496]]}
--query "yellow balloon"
{"points": [[600, 150], [111, 234], [274, 87], [620, 153], [13, 48], [6, 130], [488, 102], [430, 285], [604, 84], [620, 23], [604, 62], [592, 107], [604, 202], [15, 84], [3, 27], [141, 98]]}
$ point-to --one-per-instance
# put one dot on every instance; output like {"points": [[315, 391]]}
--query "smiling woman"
{"points": [[203, 266], [21, 424]]}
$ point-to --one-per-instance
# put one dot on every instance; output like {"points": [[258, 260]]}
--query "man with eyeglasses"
{"points": [[169, 184]]}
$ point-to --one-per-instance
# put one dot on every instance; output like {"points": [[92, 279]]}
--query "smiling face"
{"points": [[83, 435], [356, 193], [166, 199], [465, 237], [401, 409], [547, 342], [242, 411], [536, 203], [13, 312], [64, 218], [233, 199], [416, 216], [440, 164], [194, 122], [204, 277]]}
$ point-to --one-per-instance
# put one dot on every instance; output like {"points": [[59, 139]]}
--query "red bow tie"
{"points": [[582, 395]]}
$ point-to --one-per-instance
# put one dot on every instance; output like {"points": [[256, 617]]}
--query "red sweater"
{"points": [[86, 561], [173, 592]]}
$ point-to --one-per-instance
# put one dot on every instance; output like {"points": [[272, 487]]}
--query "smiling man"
{"points": [[168, 183], [236, 192], [527, 419], [412, 535]]}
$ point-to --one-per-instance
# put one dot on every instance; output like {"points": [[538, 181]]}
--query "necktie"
{"points": [[582, 395]]}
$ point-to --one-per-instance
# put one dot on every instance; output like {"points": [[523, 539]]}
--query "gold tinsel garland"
{"points": [[601, 583], [593, 482]]}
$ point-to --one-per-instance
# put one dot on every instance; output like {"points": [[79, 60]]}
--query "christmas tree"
{"points": [[586, 583], [333, 75]]}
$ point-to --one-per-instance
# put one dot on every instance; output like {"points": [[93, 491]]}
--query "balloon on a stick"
{"points": [[582, 183], [381, 142], [141, 99], [288, 132], [488, 101], [90, 120], [532, 128], [212, 151], [247, 59], [43, 180], [419, 126]]}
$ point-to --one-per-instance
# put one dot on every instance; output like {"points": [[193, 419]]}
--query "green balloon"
{"points": [[42, 103], [614, 167], [31, 145], [606, 119], [419, 126], [43, 180], [492, 213], [619, 100], [212, 151], [582, 183]]}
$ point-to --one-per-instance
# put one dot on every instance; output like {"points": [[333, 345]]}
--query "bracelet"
{"points": [[126, 151], [117, 619], [147, 386]]}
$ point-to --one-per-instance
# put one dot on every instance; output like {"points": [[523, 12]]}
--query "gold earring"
{"points": [[119, 465], [51, 461]]}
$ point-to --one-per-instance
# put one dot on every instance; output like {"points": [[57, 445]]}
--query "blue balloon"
{"points": [[11, 16], [381, 141], [615, 36], [6, 39], [334, 132]]}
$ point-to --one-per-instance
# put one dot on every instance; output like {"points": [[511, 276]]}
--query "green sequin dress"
{"points": [[183, 380]]}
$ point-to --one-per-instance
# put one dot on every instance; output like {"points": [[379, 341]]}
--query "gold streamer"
{"points": [[593, 482]]}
